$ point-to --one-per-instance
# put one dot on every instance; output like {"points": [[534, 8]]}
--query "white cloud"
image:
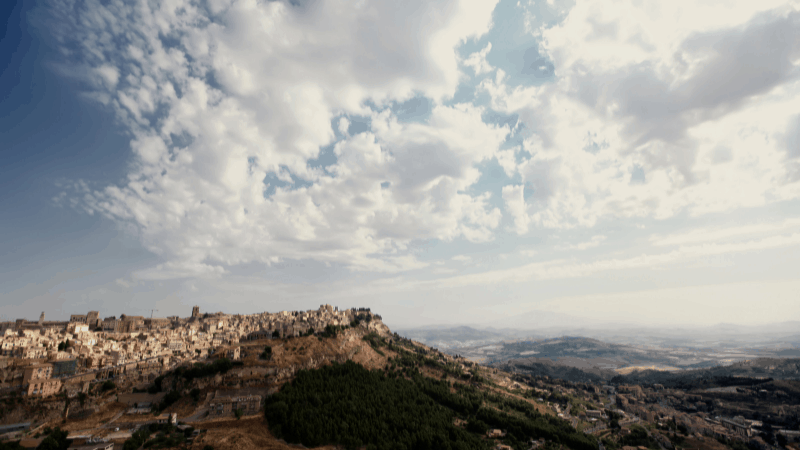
{"points": [[218, 99], [109, 75], [515, 205], [477, 61], [658, 109], [344, 125]]}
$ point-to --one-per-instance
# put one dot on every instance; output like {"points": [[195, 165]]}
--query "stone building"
{"points": [[43, 388], [37, 372], [224, 404]]}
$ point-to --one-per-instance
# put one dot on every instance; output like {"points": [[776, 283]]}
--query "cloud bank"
{"points": [[414, 142], [230, 104]]}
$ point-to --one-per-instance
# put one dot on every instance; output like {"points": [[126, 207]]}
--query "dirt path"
{"points": [[246, 434], [116, 416]]}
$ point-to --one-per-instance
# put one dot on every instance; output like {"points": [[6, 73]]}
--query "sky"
{"points": [[441, 162]]}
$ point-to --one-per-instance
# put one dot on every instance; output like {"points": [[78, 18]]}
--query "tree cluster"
{"points": [[56, 439], [639, 437], [346, 404], [333, 330], [10, 445], [166, 436], [200, 370]]}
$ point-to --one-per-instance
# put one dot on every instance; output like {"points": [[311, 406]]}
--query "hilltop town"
{"points": [[220, 380], [50, 353]]}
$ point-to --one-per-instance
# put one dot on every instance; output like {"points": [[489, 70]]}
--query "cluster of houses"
{"points": [[38, 357], [658, 406]]}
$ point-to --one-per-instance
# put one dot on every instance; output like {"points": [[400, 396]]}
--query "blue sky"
{"points": [[440, 162]]}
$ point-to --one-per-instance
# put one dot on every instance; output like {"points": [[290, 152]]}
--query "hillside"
{"points": [[362, 386], [347, 386], [379, 390], [420, 399]]}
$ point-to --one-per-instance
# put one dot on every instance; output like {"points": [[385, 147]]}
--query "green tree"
{"points": [[267, 354], [13, 445], [56, 440], [169, 399]]}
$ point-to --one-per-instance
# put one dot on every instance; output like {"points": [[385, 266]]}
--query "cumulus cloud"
{"points": [[267, 131], [229, 103], [639, 122], [513, 195], [477, 61]]}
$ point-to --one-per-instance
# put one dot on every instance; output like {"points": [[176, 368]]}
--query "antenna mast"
{"points": [[151, 318]]}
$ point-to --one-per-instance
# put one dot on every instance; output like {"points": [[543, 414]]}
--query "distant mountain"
{"points": [[784, 336], [545, 367], [579, 352], [745, 373], [779, 369], [445, 338]]}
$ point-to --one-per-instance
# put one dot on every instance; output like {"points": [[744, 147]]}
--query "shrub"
{"points": [[201, 370], [169, 399], [56, 439]]}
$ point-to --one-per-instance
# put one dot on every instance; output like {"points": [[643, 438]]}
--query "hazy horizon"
{"points": [[447, 162]]}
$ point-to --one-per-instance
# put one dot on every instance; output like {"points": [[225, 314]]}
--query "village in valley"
{"points": [[203, 381]]}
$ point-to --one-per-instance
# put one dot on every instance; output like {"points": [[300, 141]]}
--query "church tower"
{"points": [[41, 319]]}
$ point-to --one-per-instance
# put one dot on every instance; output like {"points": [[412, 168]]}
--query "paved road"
{"points": [[196, 416], [116, 416]]}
